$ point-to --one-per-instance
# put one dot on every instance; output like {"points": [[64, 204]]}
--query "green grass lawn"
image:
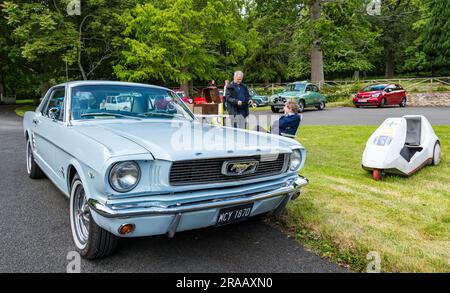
{"points": [[21, 110], [343, 213]]}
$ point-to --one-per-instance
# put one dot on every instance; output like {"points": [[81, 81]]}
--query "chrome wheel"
{"points": [[29, 157], [301, 106], [80, 215]]}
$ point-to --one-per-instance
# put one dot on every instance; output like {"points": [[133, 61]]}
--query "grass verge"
{"points": [[21, 110], [343, 213]]}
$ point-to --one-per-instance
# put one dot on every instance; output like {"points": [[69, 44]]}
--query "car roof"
{"points": [[107, 82], [298, 82]]}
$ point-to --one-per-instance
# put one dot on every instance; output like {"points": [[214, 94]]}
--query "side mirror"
{"points": [[53, 113]]}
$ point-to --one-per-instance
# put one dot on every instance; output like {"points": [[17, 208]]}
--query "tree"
{"points": [[332, 37], [436, 36], [176, 40], [42, 39], [395, 24], [272, 24]]}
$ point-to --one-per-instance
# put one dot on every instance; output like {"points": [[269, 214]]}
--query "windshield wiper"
{"points": [[165, 115], [157, 114], [109, 114]]}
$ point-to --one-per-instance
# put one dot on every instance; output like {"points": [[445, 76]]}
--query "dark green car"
{"points": [[304, 93], [258, 100]]}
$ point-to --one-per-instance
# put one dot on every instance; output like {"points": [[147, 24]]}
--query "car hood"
{"points": [[184, 140], [367, 94], [290, 94]]}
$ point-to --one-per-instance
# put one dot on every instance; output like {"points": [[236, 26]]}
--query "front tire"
{"points": [[436, 154], [383, 103], [91, 241], [33, 170], [301, 106]]}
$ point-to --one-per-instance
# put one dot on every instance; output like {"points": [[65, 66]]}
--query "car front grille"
{"points": [[210, 170], [279, 100]]}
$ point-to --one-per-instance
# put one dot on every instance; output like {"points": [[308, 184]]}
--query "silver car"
{"points": [[152, 168]]}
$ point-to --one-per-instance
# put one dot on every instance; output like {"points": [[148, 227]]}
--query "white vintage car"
{"points": [[401, 146], [153, 168]]}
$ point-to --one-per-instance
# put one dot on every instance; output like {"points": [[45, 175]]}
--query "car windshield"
{"points": [[296, 87], [121, 102], [180, 94], [373, 88]]}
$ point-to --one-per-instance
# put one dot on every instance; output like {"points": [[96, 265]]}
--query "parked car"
{"points": [[258, 100], [401, 146], [119, 103], [182, 95], [304, 93], [128, 173], [380, 95]]}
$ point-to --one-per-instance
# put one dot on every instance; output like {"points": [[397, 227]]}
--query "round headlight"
{"points": [[124, 176], [296, 160]]}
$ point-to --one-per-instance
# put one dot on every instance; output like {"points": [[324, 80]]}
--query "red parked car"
{"points": [[380, 95]]}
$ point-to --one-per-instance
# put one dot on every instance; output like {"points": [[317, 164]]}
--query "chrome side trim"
{"points": [[112, 211]]}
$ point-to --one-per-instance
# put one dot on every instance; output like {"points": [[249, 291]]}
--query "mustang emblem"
{"points": [[239, 168]]}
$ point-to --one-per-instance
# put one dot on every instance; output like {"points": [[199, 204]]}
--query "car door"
{"points": [[398, 94], [48, 132], [390, 95], [316, 95], [309, 96]]}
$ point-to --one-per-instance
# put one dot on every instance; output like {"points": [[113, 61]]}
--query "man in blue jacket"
{"points": [[238, 100]]}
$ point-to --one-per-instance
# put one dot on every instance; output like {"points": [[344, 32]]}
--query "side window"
{"points": [[389, 89], [308, 88], [55, 106], [315, 88]]}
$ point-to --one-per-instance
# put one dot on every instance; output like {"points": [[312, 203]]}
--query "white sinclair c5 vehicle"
{"points": [[401, 146]]}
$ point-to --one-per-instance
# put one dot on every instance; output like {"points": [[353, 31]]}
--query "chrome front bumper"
{"points": [[291, 188]]}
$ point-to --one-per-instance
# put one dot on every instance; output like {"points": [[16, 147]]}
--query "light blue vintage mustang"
{"points": [[134, 161]]}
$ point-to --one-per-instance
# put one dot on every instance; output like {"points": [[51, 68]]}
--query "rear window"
{"points": [[372, 88]]}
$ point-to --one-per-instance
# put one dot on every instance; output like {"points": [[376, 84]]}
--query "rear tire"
{"points": [[33, 170], [436, 154], [91, 241], [403, 103], [321, 106], [274, 110]]}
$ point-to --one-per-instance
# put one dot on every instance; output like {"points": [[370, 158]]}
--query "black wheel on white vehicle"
{"points": [[91, 240], [436, 153], [321, 106], [33, 170]]}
